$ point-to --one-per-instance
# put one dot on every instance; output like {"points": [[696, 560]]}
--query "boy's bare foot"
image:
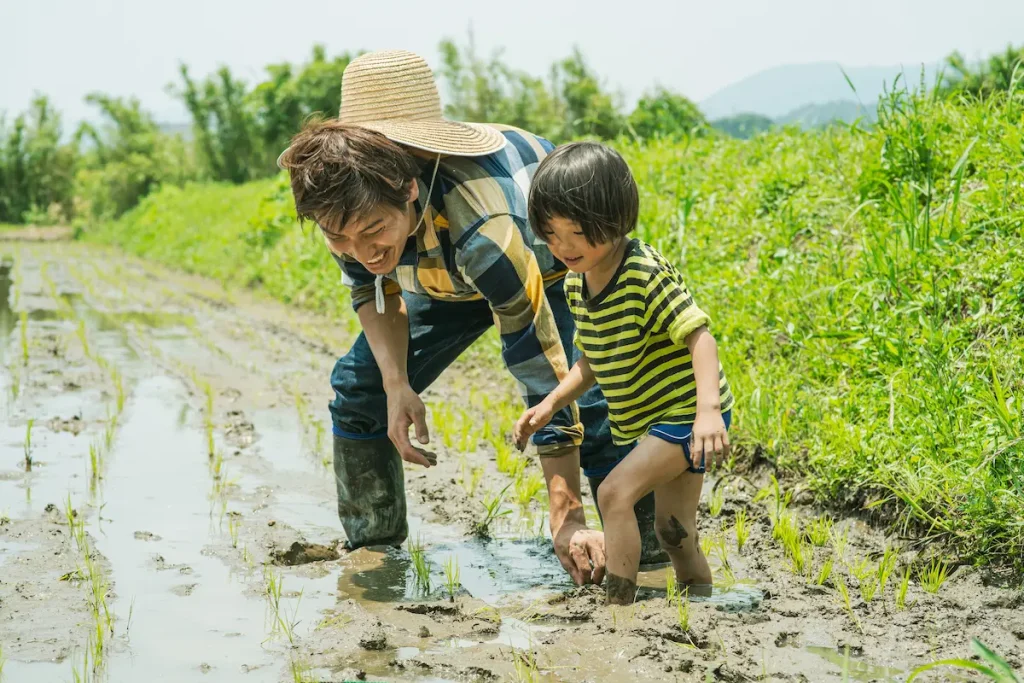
{"points": [[621, 591]]}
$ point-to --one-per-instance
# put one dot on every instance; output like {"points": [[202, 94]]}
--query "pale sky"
{"points": [[68, 48]]}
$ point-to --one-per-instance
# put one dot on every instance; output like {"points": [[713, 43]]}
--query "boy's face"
{"points": [[566, 241]]}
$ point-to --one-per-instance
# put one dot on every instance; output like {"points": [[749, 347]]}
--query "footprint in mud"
{"points": [[72, 425], [184, 590], [303, 553], [146, 536]]}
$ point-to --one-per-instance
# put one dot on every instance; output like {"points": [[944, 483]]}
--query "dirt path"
{"points": [[177, 522]]}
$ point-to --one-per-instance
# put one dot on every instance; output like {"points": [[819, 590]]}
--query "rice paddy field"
{"points": [[167, 498]]}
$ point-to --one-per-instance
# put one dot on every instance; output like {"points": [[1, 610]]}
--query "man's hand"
{"points": [[581, 552], [404, 410], [532, 420]]}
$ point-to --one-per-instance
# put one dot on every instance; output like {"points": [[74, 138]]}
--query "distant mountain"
{"points": [[783, 90], [743, 126]]}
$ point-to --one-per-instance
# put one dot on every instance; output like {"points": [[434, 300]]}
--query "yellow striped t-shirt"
{"points": [[633, 334]]}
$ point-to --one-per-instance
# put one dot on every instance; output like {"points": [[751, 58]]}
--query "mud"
{"points": [[210, 522]]}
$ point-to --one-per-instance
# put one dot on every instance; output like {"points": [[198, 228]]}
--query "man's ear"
{"points": [[414, 190]]}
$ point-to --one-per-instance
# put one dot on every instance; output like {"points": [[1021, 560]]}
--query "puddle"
{"points": [[855, 668]]}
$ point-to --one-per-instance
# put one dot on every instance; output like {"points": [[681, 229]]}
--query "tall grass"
{"points": [[865, 287]]}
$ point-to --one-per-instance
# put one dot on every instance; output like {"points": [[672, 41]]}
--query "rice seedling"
{"points": [[419, 564], [524, 663], [118, 391], [300, 670], [824, 573], [28, 444], [933, 575], [280, 621], [233, 531], [868, 587], [471, 482], [742, 530], [707, 544], [683, 612], [528, 487], [2, 661], [819, 531], [901, 593], [716, 501], [492, 511], [95, 462], [862, 569], [992, 666], [23, 329], [83, 338], [844, 594], [886, 565], [452, 576], [839, 543], [671, 588], [505, 457]]}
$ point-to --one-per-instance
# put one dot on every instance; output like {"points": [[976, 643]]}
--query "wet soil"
{"points": [[210, 521]]}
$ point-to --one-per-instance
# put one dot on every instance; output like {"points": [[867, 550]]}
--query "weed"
{"points": [[933, 575], [994, 668], [742, 530], [452, 576], [901, 593]]}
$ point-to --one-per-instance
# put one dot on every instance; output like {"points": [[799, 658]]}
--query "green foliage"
{"points": [[743, 126], [663, 113], [1000, 73], [36, 167], [127, 158]]}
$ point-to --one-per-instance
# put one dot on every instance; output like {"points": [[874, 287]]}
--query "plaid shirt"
{"points": [[476, 242]]}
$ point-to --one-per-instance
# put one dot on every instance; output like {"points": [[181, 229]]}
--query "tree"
{"points": [[36, 167], [590, 111], [994, 75], [126, 158], [743, 126], [662, 113]]}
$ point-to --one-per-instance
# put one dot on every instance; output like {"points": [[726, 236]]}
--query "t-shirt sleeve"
{"points": [[671, 308], [571, 285]]}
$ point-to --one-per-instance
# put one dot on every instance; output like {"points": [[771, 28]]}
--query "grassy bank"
{"points": [[867, 291]]}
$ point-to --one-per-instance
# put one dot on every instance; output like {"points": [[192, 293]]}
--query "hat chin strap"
{"points": [[378, 282]]}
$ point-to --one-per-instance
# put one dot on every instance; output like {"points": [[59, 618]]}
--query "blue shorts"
{"points": [[680, 434]]}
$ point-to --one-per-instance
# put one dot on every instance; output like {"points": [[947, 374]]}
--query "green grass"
{"points": [[865, 289]]}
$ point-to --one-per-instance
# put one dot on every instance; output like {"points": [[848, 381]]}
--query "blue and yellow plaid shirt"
{"points": [[475, 242]]}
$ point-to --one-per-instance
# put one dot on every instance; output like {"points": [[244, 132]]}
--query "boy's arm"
{"points": [[709, 433], [575, 383]]}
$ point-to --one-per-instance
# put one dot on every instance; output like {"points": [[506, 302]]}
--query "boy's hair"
{"points": [[341, 172], [589, 184]]}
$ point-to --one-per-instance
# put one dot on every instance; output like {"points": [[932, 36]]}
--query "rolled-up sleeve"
{"points": [[494, 258]]}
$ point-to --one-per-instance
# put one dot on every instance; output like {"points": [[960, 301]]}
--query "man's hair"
{"points": [[589, 184], [342, 172]]}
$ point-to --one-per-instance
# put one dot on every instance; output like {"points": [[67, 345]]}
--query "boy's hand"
{"points": [[532, 420], [710, 439]]}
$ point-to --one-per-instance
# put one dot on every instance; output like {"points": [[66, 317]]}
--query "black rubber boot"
{"points": [[371, 492], [652, 556]]}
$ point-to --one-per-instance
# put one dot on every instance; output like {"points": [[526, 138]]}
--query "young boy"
{"points": [[646, 343]]}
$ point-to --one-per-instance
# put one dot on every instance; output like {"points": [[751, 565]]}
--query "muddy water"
{"points": [[189, 566]]}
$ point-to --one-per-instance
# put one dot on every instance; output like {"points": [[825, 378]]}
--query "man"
{"points": [[427, 219]]}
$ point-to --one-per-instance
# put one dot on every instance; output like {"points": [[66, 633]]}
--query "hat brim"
{"points": [[451, 138]]}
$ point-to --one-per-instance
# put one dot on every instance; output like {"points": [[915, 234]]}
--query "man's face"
{"points": [[375, 239]]}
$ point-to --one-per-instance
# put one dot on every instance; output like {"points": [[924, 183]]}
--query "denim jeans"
{"points": [[439, 331]]}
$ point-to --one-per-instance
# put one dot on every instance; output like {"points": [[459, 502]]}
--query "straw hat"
{"points": [[393, 92]]}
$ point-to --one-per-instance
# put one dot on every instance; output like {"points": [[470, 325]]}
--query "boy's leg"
{"points": [[676, 524], [651, 464], [598, 454], [367, 468]]}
